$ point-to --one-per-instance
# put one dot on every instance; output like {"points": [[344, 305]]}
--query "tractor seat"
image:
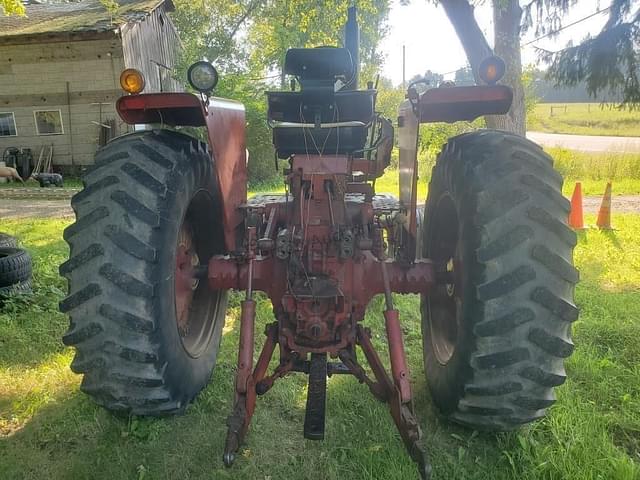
{"points": [[318, 119], [318, 66]]}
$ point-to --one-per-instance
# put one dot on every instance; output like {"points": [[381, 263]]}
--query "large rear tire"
{"points": [[496, 335], [146, 332]]}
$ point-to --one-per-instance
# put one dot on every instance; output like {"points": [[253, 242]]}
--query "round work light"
{"points": [[492, 69], [131, 81], [202, 76]]}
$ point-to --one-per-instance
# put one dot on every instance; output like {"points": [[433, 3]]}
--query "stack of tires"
{"points": [[15, 268]]}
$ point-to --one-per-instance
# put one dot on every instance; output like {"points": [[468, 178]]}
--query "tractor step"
{"points": [[316, 397]]}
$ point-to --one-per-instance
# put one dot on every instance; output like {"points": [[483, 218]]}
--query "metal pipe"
{"points": [[352, 43], [397, 355], [388, 299], [245, 351], [250, 280]]}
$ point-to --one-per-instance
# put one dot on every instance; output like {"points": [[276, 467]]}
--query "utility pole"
{"points": [[404, 86]]}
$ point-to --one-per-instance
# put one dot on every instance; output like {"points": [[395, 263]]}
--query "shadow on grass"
{"points": [[613, 238], [31, 326]]}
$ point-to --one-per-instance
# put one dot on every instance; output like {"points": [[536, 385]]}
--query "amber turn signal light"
{"points": [[131, 81], [492, 69]]}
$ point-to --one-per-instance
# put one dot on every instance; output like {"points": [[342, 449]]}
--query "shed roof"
{"points": [[76, 17]]}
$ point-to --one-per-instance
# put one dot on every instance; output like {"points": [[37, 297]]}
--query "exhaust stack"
{"points": [[352, 43]]}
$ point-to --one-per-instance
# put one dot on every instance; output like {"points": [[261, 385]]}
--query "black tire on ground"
{"points": [[496, 336], [20, 288], [15, 266], [7, 240], [121, 274]]}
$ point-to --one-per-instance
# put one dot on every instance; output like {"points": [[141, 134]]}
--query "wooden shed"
{"points": [[60, 67]]}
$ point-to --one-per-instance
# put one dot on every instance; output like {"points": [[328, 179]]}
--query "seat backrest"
{"points": [[318, 66]]}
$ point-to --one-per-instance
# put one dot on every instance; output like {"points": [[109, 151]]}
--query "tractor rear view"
{"points": [[164, 229]]}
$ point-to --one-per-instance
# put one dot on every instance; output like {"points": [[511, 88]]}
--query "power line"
{"points": [[566, 26]]}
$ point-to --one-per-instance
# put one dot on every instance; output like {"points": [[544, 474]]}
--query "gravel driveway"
{"points": [[37, 208]]}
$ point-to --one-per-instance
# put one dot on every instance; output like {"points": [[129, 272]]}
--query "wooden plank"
{"points": [[56, 37], [59, 98]]}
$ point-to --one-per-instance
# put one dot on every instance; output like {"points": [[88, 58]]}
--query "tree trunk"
{"points": [[460, 13], [506, 20], [507, 15]]}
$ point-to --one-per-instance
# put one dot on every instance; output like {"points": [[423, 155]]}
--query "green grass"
{"points": [[69, 182], [48, 429], [584, 119]]}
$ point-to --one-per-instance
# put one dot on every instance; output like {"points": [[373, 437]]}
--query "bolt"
{"points": [[315, 330]]}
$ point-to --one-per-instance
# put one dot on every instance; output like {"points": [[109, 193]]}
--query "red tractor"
{"points": [[164, 229]]}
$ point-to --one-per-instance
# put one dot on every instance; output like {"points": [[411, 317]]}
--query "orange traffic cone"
{"points": [[575, 214], [604, 214]]}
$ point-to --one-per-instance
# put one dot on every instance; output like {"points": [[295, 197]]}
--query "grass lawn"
{"points": [[584, 119], [49, 429], [70, 182]]}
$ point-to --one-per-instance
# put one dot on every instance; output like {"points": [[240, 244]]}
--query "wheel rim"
{"points": [[444, 303], [186, 262], [196, 308]]}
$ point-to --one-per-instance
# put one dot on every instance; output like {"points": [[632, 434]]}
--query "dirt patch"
{"points": [[619, 204], [35, 208], [30, 192], [628, 439]]}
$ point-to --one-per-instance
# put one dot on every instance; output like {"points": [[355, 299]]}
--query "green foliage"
{"points": [[12, 7], [464, 76], [530, 97], [287, 24], [389, 99], [433, 136], [110, 6]]}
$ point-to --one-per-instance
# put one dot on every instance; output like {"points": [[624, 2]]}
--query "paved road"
{"points": [[587, 143], [13, 208]]}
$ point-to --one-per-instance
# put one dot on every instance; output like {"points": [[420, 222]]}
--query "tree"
{"points": [[210, 29], [507, 15], [12, 7], [607, 63], [286, 24], [464, 76]]}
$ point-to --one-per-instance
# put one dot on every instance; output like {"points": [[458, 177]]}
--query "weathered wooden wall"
{"points": [[81, 79], [150, 42], [35, 77]]}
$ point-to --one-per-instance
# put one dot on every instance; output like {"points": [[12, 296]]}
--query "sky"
{"points": [[431, 42]]}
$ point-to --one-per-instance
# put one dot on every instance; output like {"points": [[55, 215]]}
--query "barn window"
{"points": [[48, 122], [8, 124]]}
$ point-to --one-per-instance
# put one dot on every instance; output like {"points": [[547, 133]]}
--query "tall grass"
{"points": [[595, 166]]}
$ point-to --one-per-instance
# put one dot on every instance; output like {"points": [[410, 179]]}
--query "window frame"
{"points": [[15, 127], [35, 120]]}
